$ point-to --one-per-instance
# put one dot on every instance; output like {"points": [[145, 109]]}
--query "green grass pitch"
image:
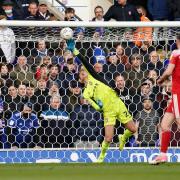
{"points": [[126, 171]]}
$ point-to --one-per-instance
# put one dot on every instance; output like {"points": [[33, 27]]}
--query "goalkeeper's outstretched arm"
{"points": [[85, 62]]}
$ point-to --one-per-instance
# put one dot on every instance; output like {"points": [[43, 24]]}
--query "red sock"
{"points": [[165, 140]]}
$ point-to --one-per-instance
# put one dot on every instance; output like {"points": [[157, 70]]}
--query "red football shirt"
{"points": [[175, 59]]}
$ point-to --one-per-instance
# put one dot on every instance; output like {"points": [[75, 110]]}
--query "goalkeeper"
{"points": [[103, 98]]}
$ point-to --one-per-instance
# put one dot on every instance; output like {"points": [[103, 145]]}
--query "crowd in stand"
{"points": [[41, 103]]}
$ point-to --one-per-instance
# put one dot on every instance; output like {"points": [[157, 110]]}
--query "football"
{"points": [[66, 33]]}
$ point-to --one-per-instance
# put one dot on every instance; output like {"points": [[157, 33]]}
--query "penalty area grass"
{"points": [[78, 171]]}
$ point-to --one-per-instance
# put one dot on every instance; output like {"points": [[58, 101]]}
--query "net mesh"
{"points": [[39, 74]]}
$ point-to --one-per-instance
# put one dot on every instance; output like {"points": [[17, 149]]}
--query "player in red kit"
{"points": [[173, 110]]}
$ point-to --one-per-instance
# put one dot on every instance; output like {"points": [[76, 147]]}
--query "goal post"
{"points": [[38, 67]]}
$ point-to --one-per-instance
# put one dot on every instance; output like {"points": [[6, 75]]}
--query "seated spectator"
{"points": [[145, 49], [7, 43], [147, 122], [21, 130], [2, 122], [55, 126], [154, 63], [136, 74], [42, 94], [122, 12], [21, 72], [112, 66], [37, 54], [42, 72], [87, 125], [123, 93], [32, 11], [22, 93], [99, 13], [69, 14], [30, 89], [72, 95], [143, 33], [98, 67], [54, 71], [69, 73], [144, 91], [4, 74], [12, 102], [43, 13], [121, 57], [11, 12]]}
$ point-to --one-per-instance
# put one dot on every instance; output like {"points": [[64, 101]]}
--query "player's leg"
{"points": [[125, 118], [130, 130], [109, 133], [166, 123], [172, 114]]}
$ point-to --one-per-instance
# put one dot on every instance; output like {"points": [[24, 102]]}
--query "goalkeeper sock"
{"points": [[104, 148], [165, 140], [126, 135]]}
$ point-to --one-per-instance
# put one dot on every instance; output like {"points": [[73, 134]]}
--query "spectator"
{"points": [[136, 74], [69, 73], [98, 67], [22, 93], [2, 121], [43, 13], [42, 72], [4, 74], [54, 71], [121, 57], [21, 72], [113, 66], [122, 12], [37, 54], [154, 63], [123, 93], [87, 125], [158, 9], [21, 129], [32, 11], [69, 14], [7, 43], [99, 13], [42, 94], [144, 33], [55, 123], [174, 8], [147, 122], [72, 95], [12, 102], [10, 12]]}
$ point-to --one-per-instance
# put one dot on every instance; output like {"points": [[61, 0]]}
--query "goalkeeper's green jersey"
{"points": [[97, 91]]}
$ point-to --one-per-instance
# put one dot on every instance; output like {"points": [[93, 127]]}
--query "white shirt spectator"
{"points": [[7, 43]]}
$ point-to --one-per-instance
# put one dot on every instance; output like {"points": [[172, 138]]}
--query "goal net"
{"points": [[44, 117]]}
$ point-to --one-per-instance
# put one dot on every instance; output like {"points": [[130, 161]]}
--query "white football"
{"points": [[66, 33]]}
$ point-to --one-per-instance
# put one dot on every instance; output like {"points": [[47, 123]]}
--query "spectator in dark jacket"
{"points": [[43, 13], [174, 7], [32, 11], [88, 125], [10, 12], [122, 12], [158, 9]]}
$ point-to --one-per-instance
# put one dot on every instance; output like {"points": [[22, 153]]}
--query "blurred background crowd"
{"points": [[41, 102]]}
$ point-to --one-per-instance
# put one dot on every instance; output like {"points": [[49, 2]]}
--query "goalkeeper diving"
{"points": [[104, 99]]}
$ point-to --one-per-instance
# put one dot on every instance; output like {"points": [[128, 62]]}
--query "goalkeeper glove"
{"points": [[71, 46]]}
